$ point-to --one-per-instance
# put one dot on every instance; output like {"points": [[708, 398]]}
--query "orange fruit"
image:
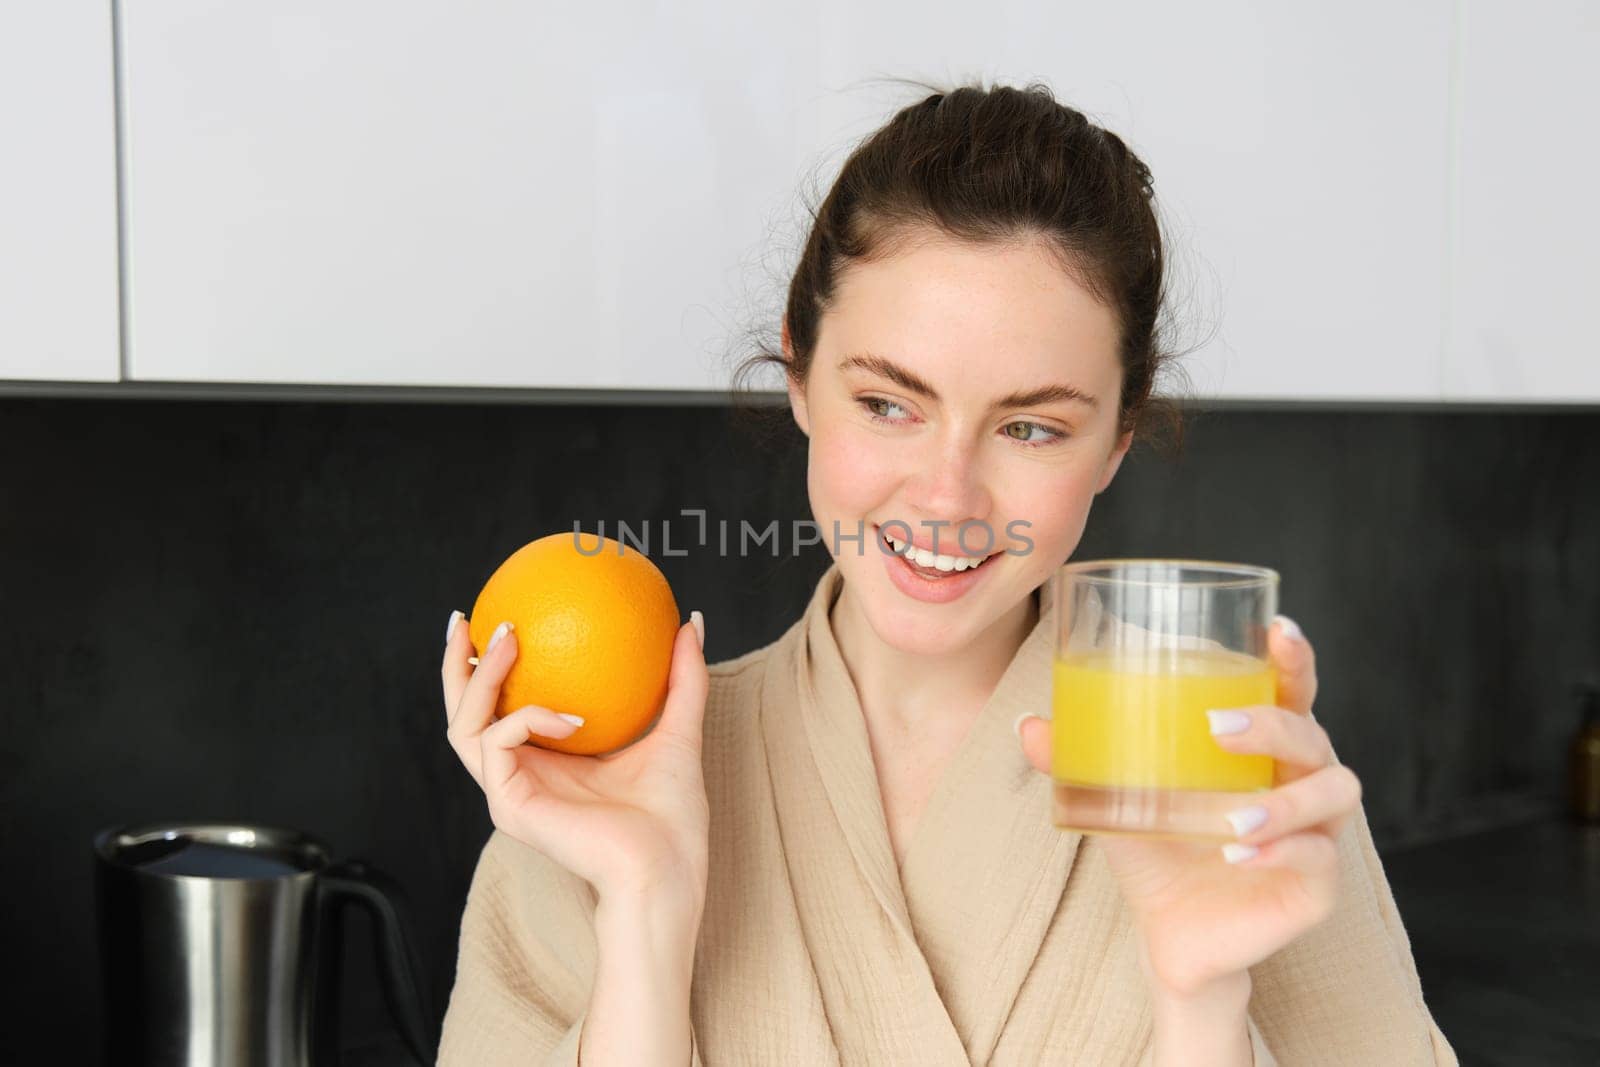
{"points": [[594, 630]]}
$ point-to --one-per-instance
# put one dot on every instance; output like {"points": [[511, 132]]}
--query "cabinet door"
{"points": [[1526, 219], [452, 192], [1298, 152], [58, 192]]}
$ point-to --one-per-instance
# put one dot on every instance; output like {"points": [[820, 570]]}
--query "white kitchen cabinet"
{"points": [[453, 193], [1526, 222], [484, 194], [1364, 202], [58, 192]]}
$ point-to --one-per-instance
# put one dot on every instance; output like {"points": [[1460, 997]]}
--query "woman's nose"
{"points": [[949, 484]]}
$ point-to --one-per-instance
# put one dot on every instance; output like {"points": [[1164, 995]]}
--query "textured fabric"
{"points": [[1000, 940]]}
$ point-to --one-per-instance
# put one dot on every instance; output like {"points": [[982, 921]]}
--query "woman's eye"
{"points": [[874, 403], [1027, 428]]}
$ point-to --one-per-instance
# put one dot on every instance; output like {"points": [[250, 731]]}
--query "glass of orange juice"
{"points": [[1144, 648]]}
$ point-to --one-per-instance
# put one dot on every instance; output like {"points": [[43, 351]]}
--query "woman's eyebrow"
{"points": [[1023, 398]]}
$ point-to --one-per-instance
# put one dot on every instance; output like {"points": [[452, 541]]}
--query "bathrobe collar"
{"points": [[928, 959]]}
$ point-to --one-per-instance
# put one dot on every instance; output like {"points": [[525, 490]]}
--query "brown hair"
{"points": [[990, 165]]}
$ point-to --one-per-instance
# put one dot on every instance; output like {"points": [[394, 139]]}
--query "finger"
{"points": [[1035, 734], [474, 706], [1297, 665], [455, 670], [1314, 856], [500, 741], [1297, 742], [1320, 801], [683, 712]]}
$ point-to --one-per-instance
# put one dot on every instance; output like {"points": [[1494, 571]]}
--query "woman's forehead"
{"points": [[970, 287], [938, 308]]}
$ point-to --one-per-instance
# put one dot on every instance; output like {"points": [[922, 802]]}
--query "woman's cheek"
{"points": [[850, 477], [1056, 511]]}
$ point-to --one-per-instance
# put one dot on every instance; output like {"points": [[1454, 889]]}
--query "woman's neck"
{"points": [[900, 690]]}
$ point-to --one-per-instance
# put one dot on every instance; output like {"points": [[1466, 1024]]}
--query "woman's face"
{"points": [[916, 410]]}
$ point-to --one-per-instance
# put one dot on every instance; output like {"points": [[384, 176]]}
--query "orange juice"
{"points": [[1138, 721]]}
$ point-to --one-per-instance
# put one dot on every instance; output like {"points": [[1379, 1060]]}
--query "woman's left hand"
{"points": [[1203, 920]]}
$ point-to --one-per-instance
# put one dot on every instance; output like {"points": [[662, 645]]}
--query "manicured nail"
{"points": [[1229, 722], [544, 729], [699, 622], [1290, 628], [494, 639], [1234, 853], [1016, 725], [450, 629], [1246, 820]]}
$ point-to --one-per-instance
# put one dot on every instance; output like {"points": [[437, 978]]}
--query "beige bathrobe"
{"points": [[1003, 940]]}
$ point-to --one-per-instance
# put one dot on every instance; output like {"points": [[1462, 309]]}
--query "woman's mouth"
{"points": [[924, 576]]}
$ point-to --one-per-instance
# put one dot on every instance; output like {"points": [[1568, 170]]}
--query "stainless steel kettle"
{"points": [[220, 945]]}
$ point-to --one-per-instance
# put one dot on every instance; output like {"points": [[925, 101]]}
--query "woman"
{"points": [[836, 849]]}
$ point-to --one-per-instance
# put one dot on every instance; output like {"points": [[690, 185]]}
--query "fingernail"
{"points": [[544, 729], [450, 629], [1235, 853], [1247, 820], [1016, 725], [1229, 722], [494, 639], [699, 622], [1291, 629]]}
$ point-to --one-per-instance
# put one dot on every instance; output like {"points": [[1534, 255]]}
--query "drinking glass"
{"points": [[1144, 648]]}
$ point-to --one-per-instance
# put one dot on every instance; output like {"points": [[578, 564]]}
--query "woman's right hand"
{"points": [[633, 822]]}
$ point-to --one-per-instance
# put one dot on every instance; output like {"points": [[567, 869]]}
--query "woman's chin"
{"points": [[918, 629]]}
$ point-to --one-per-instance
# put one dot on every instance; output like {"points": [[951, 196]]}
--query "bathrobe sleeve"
{"points": [[525, 964], [1258, 1049], [1346, 992]]}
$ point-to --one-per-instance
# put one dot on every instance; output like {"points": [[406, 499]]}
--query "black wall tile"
{"points": [[235, 609]]}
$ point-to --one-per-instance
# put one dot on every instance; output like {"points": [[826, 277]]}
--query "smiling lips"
{"points": [[930, 585]]}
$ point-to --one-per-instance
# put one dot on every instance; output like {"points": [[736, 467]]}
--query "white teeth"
{"points": [[923, 558]]}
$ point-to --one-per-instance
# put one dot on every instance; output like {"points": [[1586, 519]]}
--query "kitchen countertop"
{"points": [[1505, 928]]}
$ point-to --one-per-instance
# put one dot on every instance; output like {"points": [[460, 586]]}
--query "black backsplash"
{"points": [[235, 610]]}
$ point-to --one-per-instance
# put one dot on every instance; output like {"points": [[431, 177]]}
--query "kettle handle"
{"points": [[354, 882]]}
